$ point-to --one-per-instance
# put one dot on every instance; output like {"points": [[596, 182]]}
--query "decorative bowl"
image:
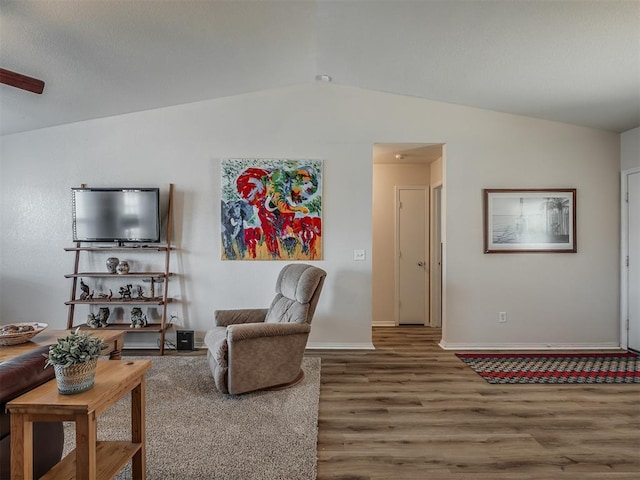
{"points": [[13, 337]]}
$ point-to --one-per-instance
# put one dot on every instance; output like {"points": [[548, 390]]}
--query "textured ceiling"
{"points": [[571, 61]]}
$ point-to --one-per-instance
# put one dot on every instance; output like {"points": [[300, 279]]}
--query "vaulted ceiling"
{"points": [[571, 61]]}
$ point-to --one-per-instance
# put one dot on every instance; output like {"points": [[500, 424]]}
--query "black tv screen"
{"points": [[116, 214]]}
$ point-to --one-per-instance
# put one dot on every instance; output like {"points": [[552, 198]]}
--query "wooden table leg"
{"points": [[21, 447], [114, 349], [139, 460], [86, 438]]}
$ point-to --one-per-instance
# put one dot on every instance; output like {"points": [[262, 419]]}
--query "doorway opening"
{"points": [[407, 287], [630, 260]]}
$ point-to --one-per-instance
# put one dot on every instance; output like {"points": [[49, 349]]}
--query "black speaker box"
{"points": [[184, 339]]}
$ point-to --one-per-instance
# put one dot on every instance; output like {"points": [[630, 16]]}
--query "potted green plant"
{"points": [[74, 359]]}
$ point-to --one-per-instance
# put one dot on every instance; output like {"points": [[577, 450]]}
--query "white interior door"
{"points": [[633, 262], [411, 256]]}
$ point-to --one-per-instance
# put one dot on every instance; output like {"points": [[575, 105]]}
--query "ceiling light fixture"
{"points": [[323, 78]]}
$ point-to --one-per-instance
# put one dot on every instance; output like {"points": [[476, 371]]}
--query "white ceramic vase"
{"points": [[123, 267]]}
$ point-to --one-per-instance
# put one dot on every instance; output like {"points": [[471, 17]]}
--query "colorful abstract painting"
{"points": [[271, 209]]}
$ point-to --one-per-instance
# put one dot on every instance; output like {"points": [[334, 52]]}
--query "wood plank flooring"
{"points": [[410, 410]]}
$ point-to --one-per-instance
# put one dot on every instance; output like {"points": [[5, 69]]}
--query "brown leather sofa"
{"points": [[17, 376]]}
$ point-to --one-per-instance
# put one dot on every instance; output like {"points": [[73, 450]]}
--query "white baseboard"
{"points": [[310, 346], [339, 346], [384, 324], [143, 346], [444, 345], [529, 346]]}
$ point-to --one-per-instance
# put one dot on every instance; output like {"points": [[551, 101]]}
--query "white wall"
{"points": [[385, 178], [630, 149], [554, 299]]}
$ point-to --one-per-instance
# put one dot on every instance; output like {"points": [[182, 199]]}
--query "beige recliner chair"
{"points": [[255, 349]]}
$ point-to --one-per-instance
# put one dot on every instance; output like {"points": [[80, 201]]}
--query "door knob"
{"points": [[421, 264]]}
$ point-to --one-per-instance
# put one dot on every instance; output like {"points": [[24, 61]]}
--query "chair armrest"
{"points": [[257, 330], [223, 318], [261, 355]]}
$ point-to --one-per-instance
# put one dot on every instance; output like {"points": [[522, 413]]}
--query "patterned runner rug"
{"points": [[623, 367]]}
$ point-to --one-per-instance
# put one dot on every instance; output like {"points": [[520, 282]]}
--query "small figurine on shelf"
{"points": [[138, 319], [100, 320], [152, 290], [140, 293], [93, 321], [103, 316], [105, 296], [85, 290], [125, 292]]}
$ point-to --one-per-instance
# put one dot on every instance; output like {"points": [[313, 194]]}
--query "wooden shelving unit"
{"points": [[162, 279]]}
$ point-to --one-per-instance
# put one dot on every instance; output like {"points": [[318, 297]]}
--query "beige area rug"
{"points": [[195, 432]]}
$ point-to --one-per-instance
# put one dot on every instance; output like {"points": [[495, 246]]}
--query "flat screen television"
{"points": [[116, 215]]}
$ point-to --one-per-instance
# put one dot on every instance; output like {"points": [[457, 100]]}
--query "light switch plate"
{"points": [[359, 255]]}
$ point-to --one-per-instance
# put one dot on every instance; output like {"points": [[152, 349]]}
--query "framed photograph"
{"points": [[530, 221]]}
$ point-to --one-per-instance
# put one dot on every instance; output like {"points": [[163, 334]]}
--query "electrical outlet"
{"points": [[359, 255], [502, 317]]}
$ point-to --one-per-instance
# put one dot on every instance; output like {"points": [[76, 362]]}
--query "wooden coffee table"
{"points": [[92, 459], [113, 338]]}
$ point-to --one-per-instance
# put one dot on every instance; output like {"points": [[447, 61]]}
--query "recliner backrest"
{"points": [[297, 292]]}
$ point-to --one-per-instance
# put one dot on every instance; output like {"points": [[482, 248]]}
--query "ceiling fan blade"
{"points": [[21, 81]]}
